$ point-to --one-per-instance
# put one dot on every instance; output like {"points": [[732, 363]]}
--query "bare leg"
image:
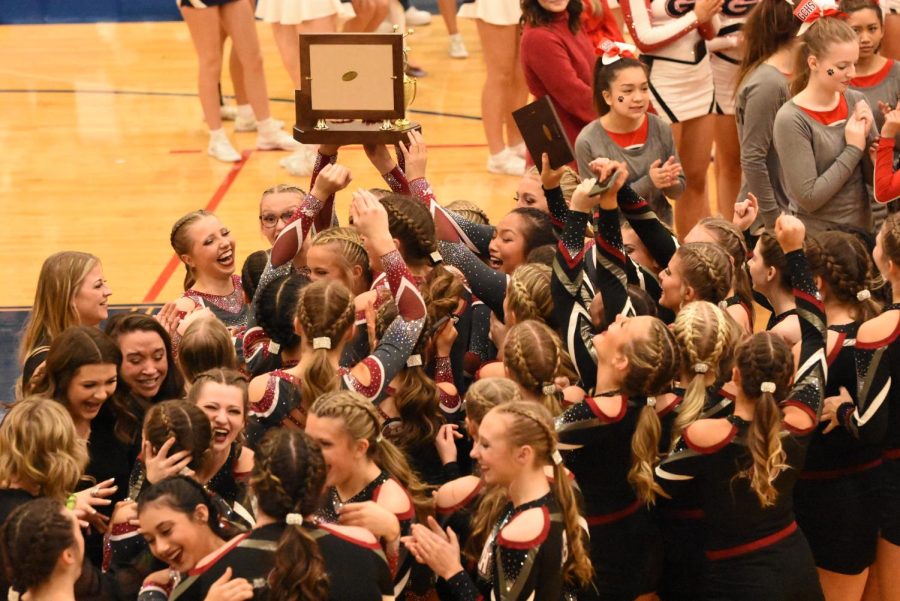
{"points": [[288, 43], [693, 139], [239, 21], [728, 164], [203, 24], [448, 12], [888, 566], [237, 77], [500, 46], [518, 98], [369, 15], [842, 587]]}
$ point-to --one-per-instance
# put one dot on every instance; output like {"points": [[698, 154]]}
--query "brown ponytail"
{"points": [[843, 263], [764, 361], [652, 364], [533, 426], [325, 309], [288, 477]]}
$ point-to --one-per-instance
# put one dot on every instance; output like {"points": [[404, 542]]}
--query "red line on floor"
{"points": [[214, 202]]}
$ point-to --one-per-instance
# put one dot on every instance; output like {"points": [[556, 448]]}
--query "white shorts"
{"points": [[495, 12], [293, 12], [681, 91], [725, 80]]}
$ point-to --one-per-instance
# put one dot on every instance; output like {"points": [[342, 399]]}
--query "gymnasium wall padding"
{"points": [[20, 12]]}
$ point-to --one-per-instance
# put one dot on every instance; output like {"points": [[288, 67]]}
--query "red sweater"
{"points": [[560, 64], [887, 181]]}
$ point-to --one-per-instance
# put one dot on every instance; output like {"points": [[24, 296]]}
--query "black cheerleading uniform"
{"points": [[356, 569], [573, 285], [681, 519], [126, 553], [661, 243], [513, 570], [411, 580], [841, 474], [755, 552], [774, 319], [596, 445], [878, 363]]}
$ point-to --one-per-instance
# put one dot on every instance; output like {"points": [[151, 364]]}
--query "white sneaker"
{"points": [[506, 163], [228, 112], [221, 149], [301, 162], [518, 150], [269, 136], [242, 124], [458, 47], [416, 17]]}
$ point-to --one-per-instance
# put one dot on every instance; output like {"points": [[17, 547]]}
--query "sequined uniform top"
{"points": [[356, 569], [510, 570], [734, 517], [411, 580], [878, 366], [573, 288]]}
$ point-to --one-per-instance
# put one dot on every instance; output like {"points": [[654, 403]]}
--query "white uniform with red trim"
{"points": [[495, 12], [725, 57], [669, 38]]}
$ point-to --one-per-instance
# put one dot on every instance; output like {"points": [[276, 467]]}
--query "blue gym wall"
{"points": [[91, 11]]}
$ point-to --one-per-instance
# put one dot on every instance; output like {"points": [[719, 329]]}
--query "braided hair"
{"points": [[532, 425], [528, 294], [764, 357], [186, 423], [532, 354], [732, 240], [353, 252], [325, 309], [361, 422], [842, 261], [288, 477], [652, 365], [707, 269], [411, 223], [31, 540]]}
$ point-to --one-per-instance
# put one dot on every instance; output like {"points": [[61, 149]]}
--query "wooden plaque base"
{"points": [[355, 132]]}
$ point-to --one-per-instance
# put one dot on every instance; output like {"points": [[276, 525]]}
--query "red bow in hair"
{"points": [[613, 51], [811, 11]]}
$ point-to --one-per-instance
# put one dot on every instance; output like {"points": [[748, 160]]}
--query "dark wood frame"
{"points": [[305, 113]]}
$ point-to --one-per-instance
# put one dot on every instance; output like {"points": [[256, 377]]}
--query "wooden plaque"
{"points": [[350, 76]]}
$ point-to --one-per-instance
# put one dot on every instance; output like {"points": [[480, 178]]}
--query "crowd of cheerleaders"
{"points": [[567, 404]]}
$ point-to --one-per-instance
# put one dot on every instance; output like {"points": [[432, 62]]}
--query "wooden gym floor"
{"points": [[104, 148]]}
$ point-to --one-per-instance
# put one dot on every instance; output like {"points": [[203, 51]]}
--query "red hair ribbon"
{"points": [[811, 11], [613, 51]]}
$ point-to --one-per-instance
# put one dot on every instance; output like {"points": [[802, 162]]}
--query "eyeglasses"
{"points": [[270, 220]]}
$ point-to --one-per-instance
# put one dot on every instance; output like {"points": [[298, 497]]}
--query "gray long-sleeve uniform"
{"points": [[823, 175], [594, 142], [759, 97]]}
